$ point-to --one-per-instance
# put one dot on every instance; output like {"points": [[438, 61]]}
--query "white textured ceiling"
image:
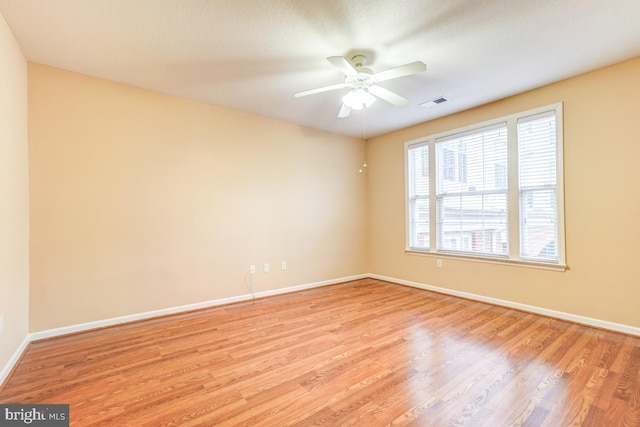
{"points": [[253, 55]]}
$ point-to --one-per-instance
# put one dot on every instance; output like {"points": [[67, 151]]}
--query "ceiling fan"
{"points": [[363, 83]]}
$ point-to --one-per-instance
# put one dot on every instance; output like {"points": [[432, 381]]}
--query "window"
{"points": [[538, 187], [472, 207], [490, 191], [418, 189]]}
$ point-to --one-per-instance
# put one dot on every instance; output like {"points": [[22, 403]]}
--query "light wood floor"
{"points": [[365, 353]]}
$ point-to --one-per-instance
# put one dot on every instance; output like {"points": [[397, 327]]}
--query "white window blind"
{"points": [[537, 161], [472, 192], [493, 190], [418, 195]]}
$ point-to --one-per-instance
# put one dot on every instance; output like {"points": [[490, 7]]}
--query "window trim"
{"points": [[513, 199]]}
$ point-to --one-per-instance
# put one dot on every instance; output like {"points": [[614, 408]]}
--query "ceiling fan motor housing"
{"points": [[363, 79]]}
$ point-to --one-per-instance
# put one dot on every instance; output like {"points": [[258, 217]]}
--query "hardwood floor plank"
{"points": [[364, 353]]}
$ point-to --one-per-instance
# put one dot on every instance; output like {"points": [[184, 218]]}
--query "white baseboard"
{"points": [[602, 324], [6, 370], [180, 309], [49, 333], [310, 286]]}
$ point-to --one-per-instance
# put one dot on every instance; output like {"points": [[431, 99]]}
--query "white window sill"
{"points": [[489, 260]]}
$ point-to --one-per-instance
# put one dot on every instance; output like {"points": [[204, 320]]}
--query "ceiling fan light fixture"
{"points": [[357, 99]]}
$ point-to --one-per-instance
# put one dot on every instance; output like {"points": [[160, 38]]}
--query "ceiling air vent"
{"points": [[434, 102]]}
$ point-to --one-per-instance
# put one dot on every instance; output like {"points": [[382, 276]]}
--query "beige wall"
{"points": [[602, 202], [14, 195], [142, 201]]}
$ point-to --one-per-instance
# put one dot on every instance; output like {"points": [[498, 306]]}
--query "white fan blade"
{"points": [[402, 70], [320, 90], [343, 65], [344, 111], [387, 95]]}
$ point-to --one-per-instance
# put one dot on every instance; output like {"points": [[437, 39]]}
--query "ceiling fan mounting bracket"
{"points": [[358, 60], [360, 57]]}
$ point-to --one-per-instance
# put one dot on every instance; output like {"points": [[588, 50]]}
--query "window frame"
{"points": [[513, 193], [413, 204]]}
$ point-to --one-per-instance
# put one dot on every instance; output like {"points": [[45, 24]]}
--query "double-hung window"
{"points": [[418, 196], [491, 191], [471, 208]]}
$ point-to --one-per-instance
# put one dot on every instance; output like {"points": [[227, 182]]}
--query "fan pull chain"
{"points": [[364, 138]]}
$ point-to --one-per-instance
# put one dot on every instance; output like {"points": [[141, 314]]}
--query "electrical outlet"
{"points": [[252, 269], [1, 323], [266, 267], [283, 265], [439, 263]]}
